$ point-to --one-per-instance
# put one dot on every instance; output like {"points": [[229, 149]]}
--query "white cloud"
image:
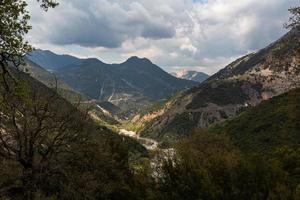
{"points": [[203, 35]]}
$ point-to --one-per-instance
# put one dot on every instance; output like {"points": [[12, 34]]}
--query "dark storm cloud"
{"points": [[174, 33], [100, 23]]}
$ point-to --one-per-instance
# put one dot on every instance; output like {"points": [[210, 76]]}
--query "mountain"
{"points": [[129, 85], [272, 124], [51, 80], [242, 84], [41, 82], [50, 60], [191, 75], [102, 112], [58, 137], [148, 78]]}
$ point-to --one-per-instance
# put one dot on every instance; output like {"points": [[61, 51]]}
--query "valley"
{"points": [[108, 103], [131, 85], [148, 143], [124, 97], [145, 100]]}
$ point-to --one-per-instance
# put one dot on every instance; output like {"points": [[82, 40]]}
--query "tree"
{"points": [[294, 21], [36, 127], [208, 166], [14, 24]]}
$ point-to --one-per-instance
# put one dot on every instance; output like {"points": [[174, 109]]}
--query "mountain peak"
{"points": [[92, 61], [191, 75], [135, 59]]}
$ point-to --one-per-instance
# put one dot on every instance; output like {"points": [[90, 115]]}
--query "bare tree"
{"points": [[36, 126]]}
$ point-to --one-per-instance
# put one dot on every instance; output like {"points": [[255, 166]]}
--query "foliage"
{"points": [[14, 25], [46, 4], [294, 19], [220, 93], [50, 149], [210, 167], [252, 156], [270, 125]]}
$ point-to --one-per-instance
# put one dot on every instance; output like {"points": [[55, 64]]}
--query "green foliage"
{"points": [[46, 4], [294, 19], [289, 160], [54, 152], [220, 93], [270, 125], [210, 167], [132, 126], [13, 27], [97, 172], [160, 104], [50, 150]]}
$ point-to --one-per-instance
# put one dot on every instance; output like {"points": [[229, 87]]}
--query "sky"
{"points": [[201, 35]]}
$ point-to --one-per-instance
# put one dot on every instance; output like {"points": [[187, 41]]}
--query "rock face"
{"points": [[243, 83]]}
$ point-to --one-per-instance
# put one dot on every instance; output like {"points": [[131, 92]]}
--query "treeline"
{"points": [[208, 166], [255, 155]]}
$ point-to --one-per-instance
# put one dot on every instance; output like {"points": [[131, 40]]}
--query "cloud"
{"points": [[194, 34], [97, 23]]}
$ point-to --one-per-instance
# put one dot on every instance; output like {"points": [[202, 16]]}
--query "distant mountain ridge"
{"points": [[191, 75], [101, 111], [50, 60], [130, 85], [51, 81]]}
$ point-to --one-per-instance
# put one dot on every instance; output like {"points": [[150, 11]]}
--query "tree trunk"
{"points": [[28, 183]]}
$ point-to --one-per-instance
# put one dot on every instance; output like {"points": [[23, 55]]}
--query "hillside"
{"points": [[50, 60], [130, 85], [244, 83], [191, 75], [270, 125], [46, 141], [50, 80], [59, 104], [100, 111]]}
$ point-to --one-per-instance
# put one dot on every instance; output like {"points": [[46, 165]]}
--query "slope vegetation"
{"points": [[244, 83], [129, 85], [272, 124]]}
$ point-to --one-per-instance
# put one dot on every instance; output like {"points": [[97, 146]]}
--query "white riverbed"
{"points": [[146, 142]]}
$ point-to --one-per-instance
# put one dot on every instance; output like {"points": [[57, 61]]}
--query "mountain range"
{"points": [[130, 85], [51, 61], [191, 75], [242, 84]]}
